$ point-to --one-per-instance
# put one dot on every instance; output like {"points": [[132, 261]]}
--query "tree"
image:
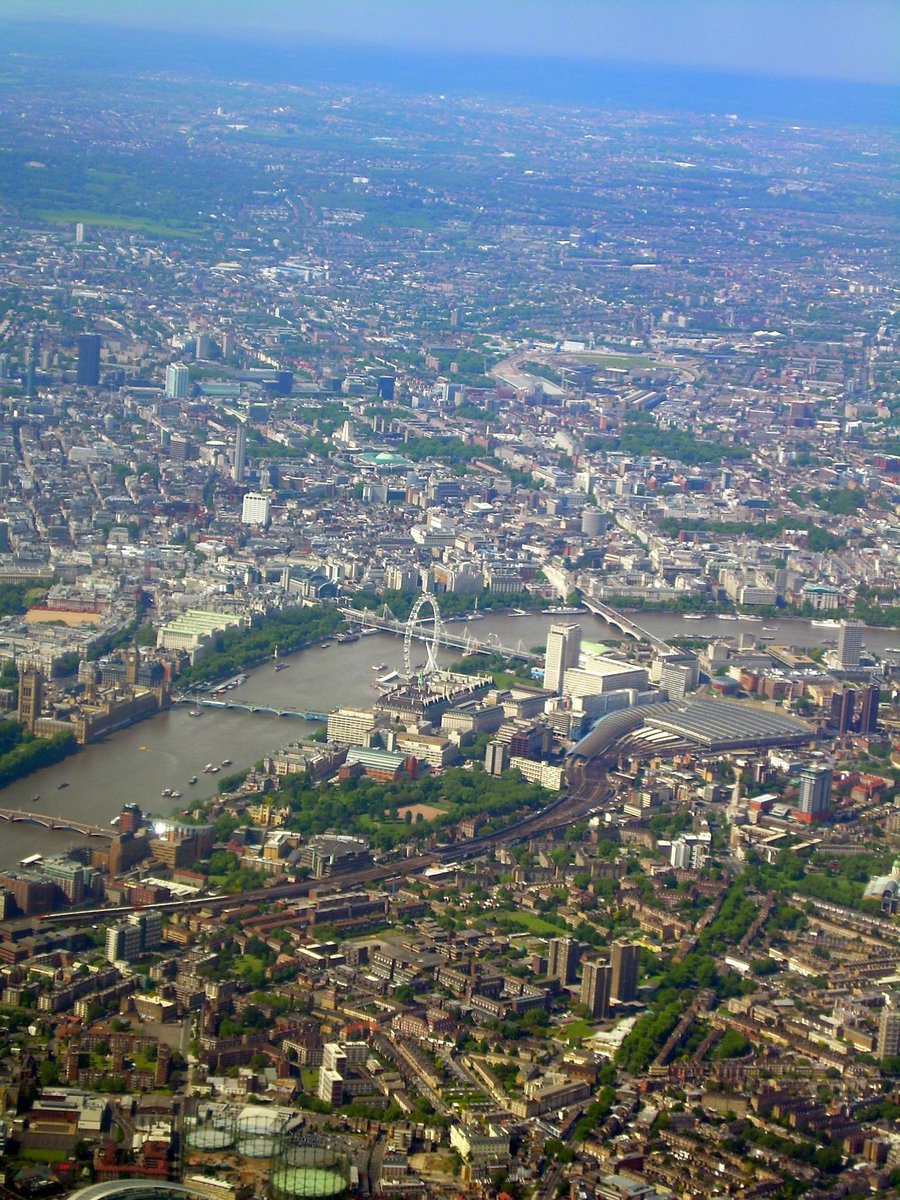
{"points": [[48, 1073]]}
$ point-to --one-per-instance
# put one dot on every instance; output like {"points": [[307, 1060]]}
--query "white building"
{"points": [[178, 378], [257, 509], [563, 648]]}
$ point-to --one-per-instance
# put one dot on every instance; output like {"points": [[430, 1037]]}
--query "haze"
{"points": [[793, 38]]}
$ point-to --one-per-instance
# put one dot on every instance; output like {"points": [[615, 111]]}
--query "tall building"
{"points": [[562, 959], [814, 803], [31, 355], [596, 984], [849, 647], [842, 710], [496, 757], [31, 697], [240, 453], [177, 381], [889, 1027], [867, 718], [141, 931], [563, 648], [256, 509], [89, 359], [626, 958]]}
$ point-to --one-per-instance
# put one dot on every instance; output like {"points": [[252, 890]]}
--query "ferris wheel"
{"points": [[415, 628]]}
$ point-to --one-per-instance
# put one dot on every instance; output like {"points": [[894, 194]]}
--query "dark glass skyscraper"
{"points": [[89, 359]]}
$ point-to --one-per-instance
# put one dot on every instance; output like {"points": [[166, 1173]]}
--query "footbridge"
{"points": [[302, 714], [619, 621], [456, 641], [66, 824]]}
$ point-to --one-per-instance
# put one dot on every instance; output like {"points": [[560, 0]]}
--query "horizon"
{"points": [[605, 85], [791, 40]]}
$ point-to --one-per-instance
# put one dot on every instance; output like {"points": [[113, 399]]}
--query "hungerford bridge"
{"points": [[433, 632], [414, 628]]}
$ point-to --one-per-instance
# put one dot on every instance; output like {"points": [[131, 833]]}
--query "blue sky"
{"points": [[826, 39]]}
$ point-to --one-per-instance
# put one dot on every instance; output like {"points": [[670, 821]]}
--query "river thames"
{"points": [[138, 763]]}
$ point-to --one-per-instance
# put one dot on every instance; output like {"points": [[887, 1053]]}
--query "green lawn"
{"points": [[43, 1156], [71, 216], [575, 1032], [248, 963], [530, 922]]}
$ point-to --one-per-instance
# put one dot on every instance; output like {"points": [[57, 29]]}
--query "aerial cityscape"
{"points": [[449, 624]]}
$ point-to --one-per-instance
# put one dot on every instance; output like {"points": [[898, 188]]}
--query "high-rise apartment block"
{"points": [[626, 958], [814, 803], [596, 985], [562, 958], [889, 1027]]}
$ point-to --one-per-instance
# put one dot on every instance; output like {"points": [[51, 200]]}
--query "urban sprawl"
{"points": [[615, 915]]}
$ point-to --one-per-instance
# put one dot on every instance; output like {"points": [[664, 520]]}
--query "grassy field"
{"points": [[575, 1032], [71, 216], [528, 921]]}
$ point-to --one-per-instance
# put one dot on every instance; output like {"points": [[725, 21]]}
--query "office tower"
{"points": [[240, 452], [227, 345], [869, 699], [177, 380], [889, 1027], [595, 988], [88, 359], [256, 509], [626, 959], [4, 366], [842, 710], [562, 959], [563, 647], [814, 803], [79, 233], [202, 345], [849, 647]]}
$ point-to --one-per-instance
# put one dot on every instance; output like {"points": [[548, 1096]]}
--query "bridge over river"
{"points": [[303, 714], [67, 824], [619, 621], [456, 641]]}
